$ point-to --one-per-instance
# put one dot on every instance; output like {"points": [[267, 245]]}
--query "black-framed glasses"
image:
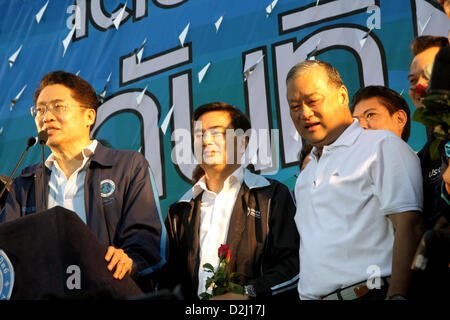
{"points": [[55, 108]]}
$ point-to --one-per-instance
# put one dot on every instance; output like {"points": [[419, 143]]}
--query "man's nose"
{"points": [[306, 112], [208, 138], [363, 122]]}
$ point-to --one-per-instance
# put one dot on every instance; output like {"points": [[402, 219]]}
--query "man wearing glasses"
{"points": [[110, 190]]}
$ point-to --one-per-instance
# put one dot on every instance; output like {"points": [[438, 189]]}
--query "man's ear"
{"points": [[400, 118], [90, 114], [343, 95]]}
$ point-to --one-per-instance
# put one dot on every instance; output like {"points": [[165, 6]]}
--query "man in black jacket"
{"points": [[110, 190], [230, 205]]}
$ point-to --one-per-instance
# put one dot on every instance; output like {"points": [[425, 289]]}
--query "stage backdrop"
{"points": [[153, 62]]}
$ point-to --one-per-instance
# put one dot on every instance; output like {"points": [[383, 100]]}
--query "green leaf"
{"points": [[220, 290], [208, 267], [205, 296], [236, 288], [208, 283]]}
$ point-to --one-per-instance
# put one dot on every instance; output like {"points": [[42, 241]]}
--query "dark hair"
{"points": [[81, 90], [423, 43], [333, 75], [238, 119], [388, 98]]}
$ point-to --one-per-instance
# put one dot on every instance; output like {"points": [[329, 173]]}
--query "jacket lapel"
{"points": [[38, 188], [192, 227], [237, 224]]}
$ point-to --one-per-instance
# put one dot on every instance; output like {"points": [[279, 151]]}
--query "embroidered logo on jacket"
{"points": [[107, 188], [254, 213], [6, 276]]}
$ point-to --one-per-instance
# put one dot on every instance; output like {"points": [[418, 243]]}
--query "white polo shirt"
{"points": [[343, 200]]}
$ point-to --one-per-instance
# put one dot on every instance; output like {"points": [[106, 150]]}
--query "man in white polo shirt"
{"points": [[358, 200]]}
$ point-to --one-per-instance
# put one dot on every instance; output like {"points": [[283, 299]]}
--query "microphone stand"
{"points": [[31, 141], [42, 138]]}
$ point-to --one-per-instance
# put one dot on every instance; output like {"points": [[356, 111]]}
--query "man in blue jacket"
{"points": [[112, 191]]}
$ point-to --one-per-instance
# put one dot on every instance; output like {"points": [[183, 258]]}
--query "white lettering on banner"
{"points": [[370, 60], [82, 20], [132, 71], [101, 19], [95, 12], [310, 15], [438, 25], [258, 105], [148, 112], [181, 99]]}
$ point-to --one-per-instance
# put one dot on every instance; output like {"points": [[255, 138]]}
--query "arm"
{"points": [[141, 234], [408, 232], [280, 262]]}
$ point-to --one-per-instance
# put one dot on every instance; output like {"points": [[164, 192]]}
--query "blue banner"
{"points": [[153, 62]]}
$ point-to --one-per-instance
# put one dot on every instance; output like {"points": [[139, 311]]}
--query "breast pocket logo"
{"points": [[6, 276], [107, 188]]}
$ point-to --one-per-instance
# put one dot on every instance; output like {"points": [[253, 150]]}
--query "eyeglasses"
{"points": [[55, 108]]}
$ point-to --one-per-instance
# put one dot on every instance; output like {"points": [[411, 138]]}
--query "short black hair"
{"points": [[81, 90], [388, 98], [333, 75], [238, 119], [423, 43]]}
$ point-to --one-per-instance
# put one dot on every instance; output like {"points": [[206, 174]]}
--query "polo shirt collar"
{"points": [[347, 138]]}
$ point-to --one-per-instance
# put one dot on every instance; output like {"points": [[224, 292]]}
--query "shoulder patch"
{"points": [[107, 188], [6, 276]]}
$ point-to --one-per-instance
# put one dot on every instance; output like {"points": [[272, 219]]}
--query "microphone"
{"points": [[42, 139], [31, 142]]}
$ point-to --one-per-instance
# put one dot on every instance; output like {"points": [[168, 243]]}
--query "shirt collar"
{"points": [[87, 152], [241, 175], [236, 177], [347, 138]]}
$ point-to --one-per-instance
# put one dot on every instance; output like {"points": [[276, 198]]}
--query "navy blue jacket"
{"points": [[121, 202]]}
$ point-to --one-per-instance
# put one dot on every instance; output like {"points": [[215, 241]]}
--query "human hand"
{"points": [[119, 259]]}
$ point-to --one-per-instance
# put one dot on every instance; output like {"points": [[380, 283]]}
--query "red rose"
{"points": [[420, 90], [223, 251]]}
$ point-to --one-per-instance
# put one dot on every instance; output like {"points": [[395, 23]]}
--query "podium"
{"points": [[56, 256]]}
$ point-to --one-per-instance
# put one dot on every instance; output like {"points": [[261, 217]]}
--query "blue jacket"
{"points": [[121, 202]]}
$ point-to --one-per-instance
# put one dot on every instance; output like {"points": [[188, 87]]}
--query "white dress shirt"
{"points": [[215, 213], [69, 193], [343, 199]]}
